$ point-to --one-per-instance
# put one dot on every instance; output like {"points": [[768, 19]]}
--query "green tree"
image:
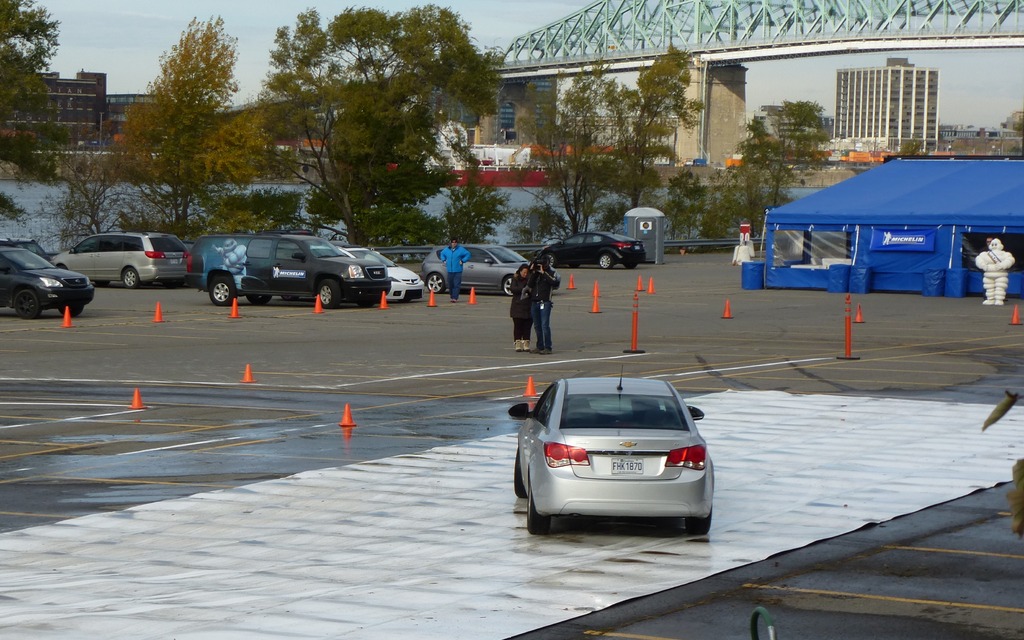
{"points": [[474, 211], [911, 148], [573, 147], [254, 210], [643, 123], [28, 39], [791, 138], [185, 145], [366, 99], [686, 207], [93, 196]]}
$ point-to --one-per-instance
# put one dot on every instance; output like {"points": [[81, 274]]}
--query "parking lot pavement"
{"points": [[433, 544], [419, 377]]}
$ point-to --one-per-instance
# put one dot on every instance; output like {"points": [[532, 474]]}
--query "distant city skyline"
{"points": [[125, 39]]}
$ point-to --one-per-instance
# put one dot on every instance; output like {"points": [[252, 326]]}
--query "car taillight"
{"points": [[623, 245], [188, 262], [689, 457], [558, 455], [155, 255]]}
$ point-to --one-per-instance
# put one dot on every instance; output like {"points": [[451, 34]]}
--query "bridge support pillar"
{"points": [[722, 126]]}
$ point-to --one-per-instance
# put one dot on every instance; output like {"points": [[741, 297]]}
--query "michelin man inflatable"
{"points": [[995, 263], [744, 251]]}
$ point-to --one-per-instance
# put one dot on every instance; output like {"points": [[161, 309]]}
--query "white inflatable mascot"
{"points": [[995, 263], [744, 251]]}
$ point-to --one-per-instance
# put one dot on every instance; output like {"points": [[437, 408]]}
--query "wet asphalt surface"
{"points": [[416, 376]]}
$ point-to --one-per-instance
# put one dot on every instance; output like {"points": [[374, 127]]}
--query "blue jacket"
{"points": [[453, 258]]}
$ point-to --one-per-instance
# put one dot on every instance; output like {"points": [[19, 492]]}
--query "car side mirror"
{"points": [[695, 413], [520, 411], [5, 269], [488, 260], [298, 255]]}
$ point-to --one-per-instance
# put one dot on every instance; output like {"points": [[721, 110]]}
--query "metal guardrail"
{"points": [[403, 253]]}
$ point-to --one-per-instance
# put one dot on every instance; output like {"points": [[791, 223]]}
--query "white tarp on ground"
{"points": [[434, 545]]}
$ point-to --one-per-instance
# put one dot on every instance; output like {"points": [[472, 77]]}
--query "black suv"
{"points": [[25, 243], [30, 284], [260, 266]]}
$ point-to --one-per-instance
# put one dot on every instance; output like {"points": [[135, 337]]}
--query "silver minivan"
{"points": [[134, 258]]}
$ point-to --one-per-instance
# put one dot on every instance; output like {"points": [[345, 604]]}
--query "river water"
{"points": [[32, 197]]}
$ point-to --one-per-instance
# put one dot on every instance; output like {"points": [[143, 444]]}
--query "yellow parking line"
{"points": [[865, 596], [988, 554], [628, 636]]}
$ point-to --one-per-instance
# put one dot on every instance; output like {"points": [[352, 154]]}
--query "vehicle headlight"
{"points": [[51, 283], [355, 271]]}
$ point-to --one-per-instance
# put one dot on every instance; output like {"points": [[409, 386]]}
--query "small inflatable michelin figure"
{"points": [[744, 251], [995, 263]]}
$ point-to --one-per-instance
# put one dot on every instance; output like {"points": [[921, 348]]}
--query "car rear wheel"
{"points": [[517, 479], [26, 304], [506, 284], [330, 294], [130, 278], [536, 524], [606, 261], [258, 300], [222, 290], [435, 283], [698, 526], [551, 259]]}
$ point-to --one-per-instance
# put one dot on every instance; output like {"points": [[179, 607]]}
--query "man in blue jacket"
{"points": [[454, 256]]}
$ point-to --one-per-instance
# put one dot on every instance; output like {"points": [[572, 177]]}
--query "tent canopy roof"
{"points": [[918, 192]]}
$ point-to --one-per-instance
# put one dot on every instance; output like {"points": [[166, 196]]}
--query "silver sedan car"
{"points": [[490, 268], [618, 447]]}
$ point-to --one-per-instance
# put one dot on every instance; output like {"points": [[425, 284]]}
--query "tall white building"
{"points": [[880, 108]]}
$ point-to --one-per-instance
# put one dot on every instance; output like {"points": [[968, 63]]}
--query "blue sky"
{"points": [[125, 38]]}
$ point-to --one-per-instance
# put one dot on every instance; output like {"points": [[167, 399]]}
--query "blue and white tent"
{"points": [[907, 225]]}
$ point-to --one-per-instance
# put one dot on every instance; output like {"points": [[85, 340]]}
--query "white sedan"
{"points": [[406, 286]]}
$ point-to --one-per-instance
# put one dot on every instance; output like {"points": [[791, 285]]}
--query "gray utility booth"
{"points": [[648, 224]]}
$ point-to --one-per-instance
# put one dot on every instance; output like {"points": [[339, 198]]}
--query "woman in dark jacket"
{"points": [[522, 319]]}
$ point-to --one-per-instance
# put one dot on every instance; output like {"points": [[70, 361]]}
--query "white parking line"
{"points": [[179, 446]]}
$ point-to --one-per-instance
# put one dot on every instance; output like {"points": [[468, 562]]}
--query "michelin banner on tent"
{"points": [[909, 225]]}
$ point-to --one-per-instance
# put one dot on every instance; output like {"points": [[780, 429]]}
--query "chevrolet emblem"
{"points": [[628, 443]]}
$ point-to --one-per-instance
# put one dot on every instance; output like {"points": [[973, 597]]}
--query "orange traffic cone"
{"points": [[472, 295], [650, 285], [383, 299], [572, 283], [234, 308], [531, 392], [346, 418], [859, 318], [639, 283], [318, 306], [137, 400], [597, 291], [1016, 315], [596, 308], [158, 315], [727, 314], [67, 318], [431, 302], [247, 376]]}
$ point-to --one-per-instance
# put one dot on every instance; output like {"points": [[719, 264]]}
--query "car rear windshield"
{"points": [[167, 244], [507, 255], [615, 411]]}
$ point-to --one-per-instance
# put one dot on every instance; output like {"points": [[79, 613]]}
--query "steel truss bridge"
{"points": [[733, 31], [625, 35]]}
